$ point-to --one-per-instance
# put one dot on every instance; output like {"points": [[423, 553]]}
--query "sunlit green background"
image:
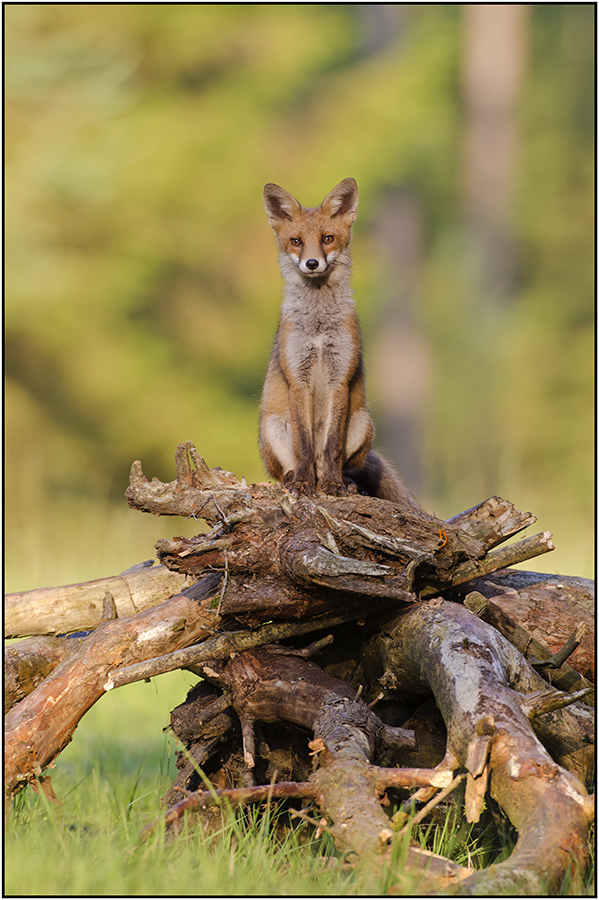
{"points": [[142, 286]]}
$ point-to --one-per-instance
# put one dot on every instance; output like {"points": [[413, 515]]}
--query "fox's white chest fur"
{"points": [[319, 353], [318, 346]]}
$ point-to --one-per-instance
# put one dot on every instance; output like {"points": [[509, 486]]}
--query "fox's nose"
{"points": [[312, 264]]}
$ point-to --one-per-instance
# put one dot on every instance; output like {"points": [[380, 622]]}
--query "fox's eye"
{"points": [[297, 242], [328, 239]]}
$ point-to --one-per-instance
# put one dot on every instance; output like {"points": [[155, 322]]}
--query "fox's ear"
{"points": [[279, 204], [342, 200]]}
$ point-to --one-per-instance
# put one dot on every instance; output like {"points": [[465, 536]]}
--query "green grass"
{"points": [[89, 846], [110, 780]]}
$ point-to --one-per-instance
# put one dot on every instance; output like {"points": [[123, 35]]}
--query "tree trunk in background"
{"points": [[495, 49], [493, 65], [380, 23], [399, 368]]}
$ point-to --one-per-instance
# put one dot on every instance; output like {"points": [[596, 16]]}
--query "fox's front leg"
{"points": [[331, 479], [303, 478]]}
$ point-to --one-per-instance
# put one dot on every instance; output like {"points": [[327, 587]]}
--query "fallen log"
{"points": [[355, 544], [263, 685], [489, 735], [225, 645], [78, 607], [538, 612], [28, 662]]}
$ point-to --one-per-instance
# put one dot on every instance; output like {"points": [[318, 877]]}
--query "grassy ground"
{"points": [[110, 780]]}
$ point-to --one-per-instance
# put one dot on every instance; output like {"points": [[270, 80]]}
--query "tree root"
{"points": [[474, 674], [476, 677]]}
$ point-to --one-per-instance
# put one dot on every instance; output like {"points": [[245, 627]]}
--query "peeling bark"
{"points": [[78, 607]]}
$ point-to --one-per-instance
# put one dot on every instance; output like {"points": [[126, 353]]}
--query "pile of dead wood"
{"points": [[436, 666]]}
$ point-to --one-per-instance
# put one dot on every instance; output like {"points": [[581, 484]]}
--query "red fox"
{"points": [[315, 428]]}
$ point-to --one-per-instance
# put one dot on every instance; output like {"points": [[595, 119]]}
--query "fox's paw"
{"points": [[334, 488], [302, 489], [298, 487]]}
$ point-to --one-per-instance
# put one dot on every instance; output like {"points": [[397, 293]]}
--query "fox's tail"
{"points": [[378, 478]]}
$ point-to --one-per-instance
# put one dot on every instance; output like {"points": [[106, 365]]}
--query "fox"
{"points": [[315, 427]]}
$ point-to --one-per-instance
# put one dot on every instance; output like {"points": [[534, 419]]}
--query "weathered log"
{"points": [[28, 662], [302, 550], [562, 676], [492, 521], [472, 670], [205, 724], [42, 724], [321, 561], [537, 613], [511, 555], [474, 674], [220, 647], [354, 544], [78, 607]]}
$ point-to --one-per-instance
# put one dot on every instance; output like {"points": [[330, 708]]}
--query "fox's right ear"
{"points": [[279, 204]]}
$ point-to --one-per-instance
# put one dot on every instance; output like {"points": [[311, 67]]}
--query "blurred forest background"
{"points": [[142, 284]]}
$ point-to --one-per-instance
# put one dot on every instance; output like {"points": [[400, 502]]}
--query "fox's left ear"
{"points": [[342, 200]]}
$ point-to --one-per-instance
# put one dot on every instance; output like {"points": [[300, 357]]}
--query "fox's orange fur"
{"points": [[315, 428]]}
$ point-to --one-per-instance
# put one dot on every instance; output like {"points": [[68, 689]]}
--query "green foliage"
{"points": [[142, 286]]}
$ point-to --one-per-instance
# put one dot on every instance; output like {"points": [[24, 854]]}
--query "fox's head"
{"points": [[313, 238]]}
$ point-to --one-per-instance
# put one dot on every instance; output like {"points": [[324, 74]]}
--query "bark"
{"points": [[27, 663], [498, 559], [538, 613], [221, 647], [486, 692], [493, 521], [78, 607], [42, 724], [355, 545], [268, 686], [474, 674]]}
